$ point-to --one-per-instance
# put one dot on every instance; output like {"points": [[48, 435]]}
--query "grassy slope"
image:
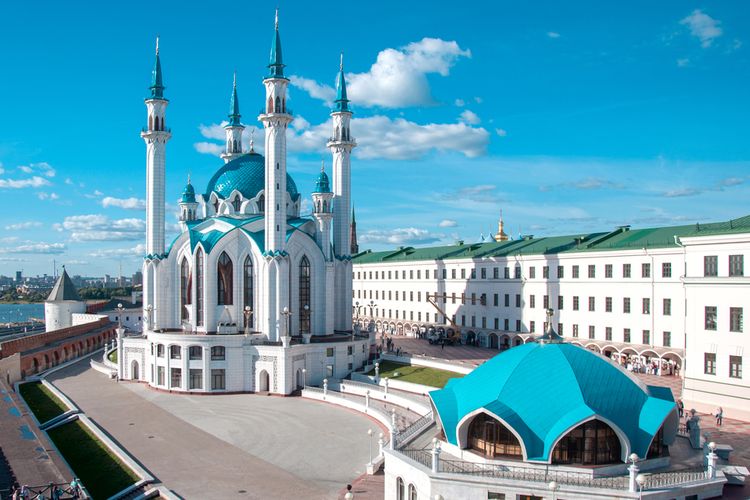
{"points": [[416, 374], [42, 402]]}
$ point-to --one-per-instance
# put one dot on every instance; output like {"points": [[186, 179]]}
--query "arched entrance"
{"points": [[492, 439], [263, 381], [518, 341], [134, 372], [300, 379], [493, 341]]}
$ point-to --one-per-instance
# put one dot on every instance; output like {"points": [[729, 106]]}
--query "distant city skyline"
{"points": [[568, 119]]}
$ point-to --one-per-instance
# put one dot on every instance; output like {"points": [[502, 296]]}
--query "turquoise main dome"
{"points": [[246, 174]]}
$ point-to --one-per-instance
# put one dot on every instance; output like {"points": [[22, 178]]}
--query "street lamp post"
{"points": [[148, 309], [356, 307], [248, 312], [371, 305], [641, 480], [553, 487], [120, 309], [287, 313], [369, 434], [304, 378]]}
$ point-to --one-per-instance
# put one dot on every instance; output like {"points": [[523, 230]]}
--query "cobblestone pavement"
{"points": [[30, 456]]}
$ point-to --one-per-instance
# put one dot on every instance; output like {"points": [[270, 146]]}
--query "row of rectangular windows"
{"points": [[195, 378], [710, 268], [735, 365], [711, 317], [482, 300]]}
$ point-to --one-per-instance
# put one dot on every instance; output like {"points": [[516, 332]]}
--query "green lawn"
{"points": [[101, 472], [113, 356], [416, 374], [42, 402]]}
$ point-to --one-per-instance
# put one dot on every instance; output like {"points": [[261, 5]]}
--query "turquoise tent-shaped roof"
{"points": [[541, 391]]}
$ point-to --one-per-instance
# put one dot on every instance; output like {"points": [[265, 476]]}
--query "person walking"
{"points": [[719, 416], [680, 407]]}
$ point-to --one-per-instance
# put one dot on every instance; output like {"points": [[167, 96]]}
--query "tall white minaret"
{"points": [[275, 121], [341, 145], [234, 128], [156, 136]]}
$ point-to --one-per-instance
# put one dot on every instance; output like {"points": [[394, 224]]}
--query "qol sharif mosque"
{"points": [[251, 296]]}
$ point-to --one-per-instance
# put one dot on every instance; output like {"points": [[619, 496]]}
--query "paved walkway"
{"points": [[267, 447], [27, 455]]}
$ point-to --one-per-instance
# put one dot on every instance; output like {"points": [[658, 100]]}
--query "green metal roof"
{"points": [[542, 391], [342, 102], [622, 238], [275, 65], [157, 86]]}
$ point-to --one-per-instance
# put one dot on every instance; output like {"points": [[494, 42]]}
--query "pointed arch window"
{"points": [[216, 206], [248, 285], [236, 204], [199, 287], [304, 295], [270, 104], [278, 105], [262, 203], [185, 289], [492, 438], [224, 274], [591, 443]]}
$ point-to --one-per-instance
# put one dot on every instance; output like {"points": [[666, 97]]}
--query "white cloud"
{"points": [[683, 62], [48, 196], [460, 102], [401, 236], [35, 182], [136, 251], [25, 169], [703, 27], [478, 100], [97, 227], [501, 132], [22, 225], [36, 248], [398, 78], [448, 223], [69, 181], [380, 137], [469, 117], [317, 91], [126, 203], [553, 34]]}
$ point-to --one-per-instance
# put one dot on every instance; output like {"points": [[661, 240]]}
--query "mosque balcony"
{"points": [[287, 111], [146, 130], [350, 140]]}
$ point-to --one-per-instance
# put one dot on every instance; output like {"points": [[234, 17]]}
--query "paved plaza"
{"points": [[267, 447]]}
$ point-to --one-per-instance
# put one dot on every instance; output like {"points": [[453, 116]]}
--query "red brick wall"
{"points": [[30, 342]]}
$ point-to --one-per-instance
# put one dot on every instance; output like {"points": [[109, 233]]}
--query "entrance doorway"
{"points": [[263, 381], [134, 372]]}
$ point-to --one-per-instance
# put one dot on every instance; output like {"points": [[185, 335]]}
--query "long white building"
{"points": [[669, 296]]}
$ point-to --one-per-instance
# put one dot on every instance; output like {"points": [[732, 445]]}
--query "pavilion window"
{"points": [[591, 443], [492, 438], [185, 289], [199, 287], [249, 289], [304, 295], [224, 272]]}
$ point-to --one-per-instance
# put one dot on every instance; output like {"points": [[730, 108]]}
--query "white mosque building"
{"points": [[251, 296]]}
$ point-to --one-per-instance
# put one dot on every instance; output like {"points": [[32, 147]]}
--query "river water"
{"points": [[10, 313]]}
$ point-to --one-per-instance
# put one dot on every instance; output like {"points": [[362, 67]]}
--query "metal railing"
{"points": [[671, 478], [61, 491], [405, 436], [541, 475]]}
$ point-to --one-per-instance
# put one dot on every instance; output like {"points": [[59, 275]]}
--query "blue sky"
{"points": [[569, 117]]}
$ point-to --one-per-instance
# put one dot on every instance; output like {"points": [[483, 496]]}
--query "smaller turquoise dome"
{"points": [[188, 194], [322, 185]]}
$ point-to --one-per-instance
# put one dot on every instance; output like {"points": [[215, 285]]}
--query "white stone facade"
{"points": [[501, 300], [246, 273]]}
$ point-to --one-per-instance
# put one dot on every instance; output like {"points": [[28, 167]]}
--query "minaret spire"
{"points": [[157, 87], [342, 102], [275, 65], [234, 128]]}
